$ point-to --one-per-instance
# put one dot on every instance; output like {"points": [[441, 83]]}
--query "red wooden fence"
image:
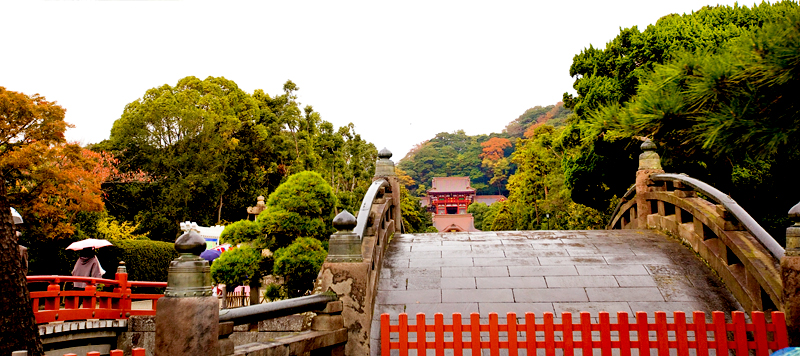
{"points": [[47, 305], [135, 352], [622, 335]]}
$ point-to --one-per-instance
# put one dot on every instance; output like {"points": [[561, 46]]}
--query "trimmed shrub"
{"points": [[305, 193], [284, 226], [242, 231], [299, 265], [145, 260], [236, 267]]}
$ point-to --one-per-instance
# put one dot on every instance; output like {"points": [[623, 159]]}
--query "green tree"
{"points": [[299, 265], [597, 166], [300, 207], [504, 220], [478, 211], [184, 136], [725, 116]]}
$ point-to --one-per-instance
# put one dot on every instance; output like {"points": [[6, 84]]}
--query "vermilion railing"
{"points": [[56, 304], [623, 336], [134, 352]]}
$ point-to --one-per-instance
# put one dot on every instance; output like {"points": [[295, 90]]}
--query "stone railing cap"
{"points": [[190, 242], [384, 153], [648, 145], [344, 221], [794, 212]]}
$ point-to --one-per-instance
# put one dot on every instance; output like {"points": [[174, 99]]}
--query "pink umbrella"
{"points": [[93, 243]]}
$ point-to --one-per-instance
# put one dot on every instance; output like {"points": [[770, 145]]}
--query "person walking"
{"points": [[87, 266]]}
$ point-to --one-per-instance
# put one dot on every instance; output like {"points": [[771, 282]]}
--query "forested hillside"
{"points": [[483, 158]]}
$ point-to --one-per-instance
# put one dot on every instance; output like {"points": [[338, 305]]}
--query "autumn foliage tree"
{"points": [[27, 123], [494, 162], [54, 183]]}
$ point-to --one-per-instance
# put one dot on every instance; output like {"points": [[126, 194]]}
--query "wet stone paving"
{"points": [[544, 271]]}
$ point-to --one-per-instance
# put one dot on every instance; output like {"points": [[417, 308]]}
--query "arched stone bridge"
{"points": [[673, 244], [667, 248]]}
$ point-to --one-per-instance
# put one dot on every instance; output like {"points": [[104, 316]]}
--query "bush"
{"points": [[284, 226], [145, 260], [274, 292], [236, 267], [299, 265], [243, 231], [305, 193]]}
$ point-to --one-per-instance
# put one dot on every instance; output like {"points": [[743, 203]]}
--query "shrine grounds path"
{"points": [[544, 271]]}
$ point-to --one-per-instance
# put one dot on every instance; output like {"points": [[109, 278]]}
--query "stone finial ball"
{"points": [[344, 221], [648, 145], [190, 242], [385, 153], [794, 213]]}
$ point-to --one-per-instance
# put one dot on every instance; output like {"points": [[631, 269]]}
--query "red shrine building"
{"points": [[448, 201]]}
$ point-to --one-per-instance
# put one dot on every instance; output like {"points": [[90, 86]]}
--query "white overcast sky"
{"points": [[401, 71]]}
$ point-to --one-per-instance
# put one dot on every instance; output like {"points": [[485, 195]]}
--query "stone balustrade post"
{"points": [[790, 277], [187, 318], [345, 273], [649, 163], [384, 168]]}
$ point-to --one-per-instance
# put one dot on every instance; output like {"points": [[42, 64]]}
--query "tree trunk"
{"points": [[18, 329], [219, 211]]}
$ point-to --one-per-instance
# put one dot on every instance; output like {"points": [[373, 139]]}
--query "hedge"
{"points": [[145, 260]]}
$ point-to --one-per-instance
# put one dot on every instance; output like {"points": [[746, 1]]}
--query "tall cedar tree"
{"points": [[25, 122]]}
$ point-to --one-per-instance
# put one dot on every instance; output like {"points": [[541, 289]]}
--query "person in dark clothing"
{"points": [[86, 266]]}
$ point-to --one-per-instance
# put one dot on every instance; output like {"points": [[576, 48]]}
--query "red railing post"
{"points": [[511, 320], [438, 331], [475, 333], [566, 321], [458, 335], [137, 352], [681, 334], [624, 334], [53, 302], [90, 298], [385, 333], [700, 333], [403, 325], [720, 334], [124, 289]]}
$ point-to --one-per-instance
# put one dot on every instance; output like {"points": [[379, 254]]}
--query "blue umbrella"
{"points": [[210, 255]]}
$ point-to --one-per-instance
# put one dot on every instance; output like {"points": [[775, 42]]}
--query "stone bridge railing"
{"points": [[355, 256], [747, 259]]}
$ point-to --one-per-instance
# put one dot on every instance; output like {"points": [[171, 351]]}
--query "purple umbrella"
{"points": [[210, 255]]}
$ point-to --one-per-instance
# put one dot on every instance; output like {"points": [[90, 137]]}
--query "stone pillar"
{"points": [[187, 318], [790, 277], [347, 274], [384, 168], [649, 163]]}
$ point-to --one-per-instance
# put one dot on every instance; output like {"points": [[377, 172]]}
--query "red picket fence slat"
{"points": [[134, 352], [89, 303], [679, 337]]}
